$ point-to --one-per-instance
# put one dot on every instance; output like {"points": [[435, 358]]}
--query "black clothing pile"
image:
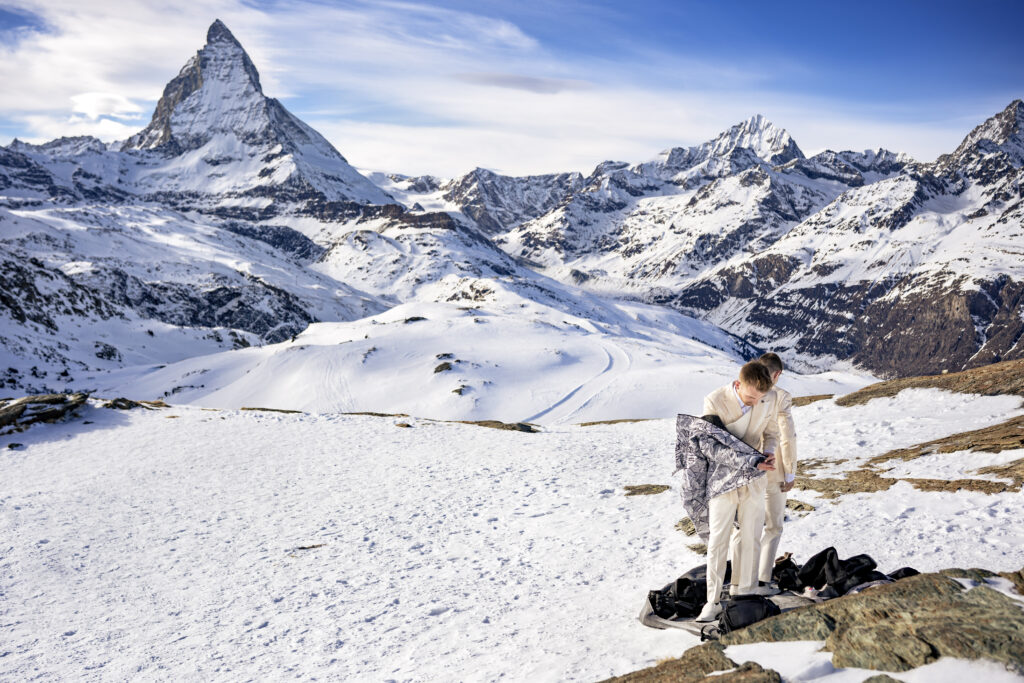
{"points": [[828, 575]]}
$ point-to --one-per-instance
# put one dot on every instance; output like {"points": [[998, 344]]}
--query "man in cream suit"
{"points": [[747, 407], [780, 481]]}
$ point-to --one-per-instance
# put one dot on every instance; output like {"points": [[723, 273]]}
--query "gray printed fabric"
{"points": [[713, 462]]}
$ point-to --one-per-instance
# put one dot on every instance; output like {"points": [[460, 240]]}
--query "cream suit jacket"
{"points": [[785, 456], [763, 430]]}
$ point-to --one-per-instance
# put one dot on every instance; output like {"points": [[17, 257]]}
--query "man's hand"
{"points": [[788, 486], [769, 463]]}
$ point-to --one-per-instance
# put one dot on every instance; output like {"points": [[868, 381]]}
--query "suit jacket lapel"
{"points": [[756, 416], [731, 407]]}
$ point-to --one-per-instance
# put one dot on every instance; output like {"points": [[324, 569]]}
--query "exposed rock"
{"points": [[123, 404], [699, 548], [497, 203], [808, 400], [686, 526], [281, 237], [1005, 436], [495, 424], [273, 410], [697, 664], [20, 413], [1006, 377], [798, 506], [903, 625], [646, 489]]}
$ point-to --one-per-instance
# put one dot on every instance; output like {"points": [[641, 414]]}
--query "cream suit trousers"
{"points": [[768, 546], [746, 503], [774, 516]]}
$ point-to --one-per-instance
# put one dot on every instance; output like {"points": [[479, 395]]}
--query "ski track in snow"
{"points": [[165, 545], [571, 404]]}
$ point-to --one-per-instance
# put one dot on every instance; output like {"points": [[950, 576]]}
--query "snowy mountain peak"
{"points": [[771, 143], [1002, 132], [224, 135], [218, 90], [219, 33], [757, 134]]}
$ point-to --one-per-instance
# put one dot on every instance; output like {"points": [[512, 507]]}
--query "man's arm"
{"points": [[787, 439]]}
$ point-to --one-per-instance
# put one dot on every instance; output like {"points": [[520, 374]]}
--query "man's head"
{"points": [[774, 365], [755, 381]]}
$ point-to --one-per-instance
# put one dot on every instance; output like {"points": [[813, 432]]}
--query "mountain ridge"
{"points": [[899, 266]]}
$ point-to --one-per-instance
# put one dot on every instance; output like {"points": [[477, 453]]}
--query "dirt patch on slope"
{"points": [[696, 664], [646, 489], [616, 422], [1006, 436], [799, 401], [869, 477], [869, 481], [1006, 377]]}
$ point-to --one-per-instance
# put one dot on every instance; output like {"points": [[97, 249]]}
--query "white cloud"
{"points": [[96, 104], [408, 87]]}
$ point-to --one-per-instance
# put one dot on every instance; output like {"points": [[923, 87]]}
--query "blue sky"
{"points": [[531, 87]]}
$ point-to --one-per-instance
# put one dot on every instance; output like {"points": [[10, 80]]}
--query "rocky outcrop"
{"points": [[894, 627], [904, 625], [18, 414], [703, 663]]}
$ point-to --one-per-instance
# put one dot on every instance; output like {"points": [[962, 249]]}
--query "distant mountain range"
{"points": [[228, 222]]}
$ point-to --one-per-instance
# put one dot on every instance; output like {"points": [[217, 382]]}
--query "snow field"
{"points": [[535, 364], [158, 547]]}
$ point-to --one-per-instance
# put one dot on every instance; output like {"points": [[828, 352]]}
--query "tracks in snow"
{"points": [[618, 362]]}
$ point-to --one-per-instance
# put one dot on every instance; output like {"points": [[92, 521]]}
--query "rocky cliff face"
{"points": [[497, 203], [914, 274]]}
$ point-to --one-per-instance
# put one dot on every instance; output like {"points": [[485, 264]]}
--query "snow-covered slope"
{"points": [[100, 287], [241, 545], [509, 358]]}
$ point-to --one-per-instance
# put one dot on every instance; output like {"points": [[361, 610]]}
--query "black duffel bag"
{"points": [[743, 610], [685, 597]]}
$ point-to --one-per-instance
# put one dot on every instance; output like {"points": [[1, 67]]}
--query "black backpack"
{"points": [[743, 610], [685, 597]]}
